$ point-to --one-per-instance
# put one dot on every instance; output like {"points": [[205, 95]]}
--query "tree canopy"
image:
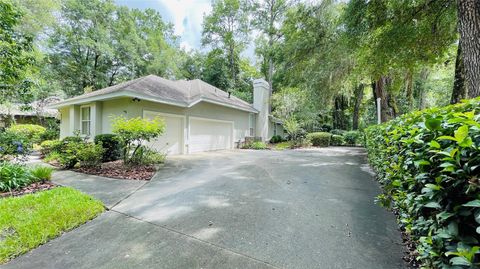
{"points": [[327, 61]]}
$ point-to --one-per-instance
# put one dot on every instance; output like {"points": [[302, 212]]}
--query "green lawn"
{"points": [[282, 145], [31, 220]]}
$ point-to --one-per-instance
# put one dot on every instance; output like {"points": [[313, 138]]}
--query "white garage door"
{"points": [[171, 142], [206, 135]]}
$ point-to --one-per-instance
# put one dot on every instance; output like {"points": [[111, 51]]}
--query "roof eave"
{"points": [[113, 95], [207, 100], [118, 94]]}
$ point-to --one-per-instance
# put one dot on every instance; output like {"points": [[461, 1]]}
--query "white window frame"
{"points": [[82, 120]]}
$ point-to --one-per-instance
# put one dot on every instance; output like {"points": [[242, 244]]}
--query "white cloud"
{"points": [[187, 17]]}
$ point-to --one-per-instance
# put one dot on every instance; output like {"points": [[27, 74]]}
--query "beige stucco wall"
{"points": [[64, 122], [131, 109]]}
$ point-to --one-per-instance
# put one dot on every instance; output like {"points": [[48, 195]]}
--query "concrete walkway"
{"points": [[238, 209]]}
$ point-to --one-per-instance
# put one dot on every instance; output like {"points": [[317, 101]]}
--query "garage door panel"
{"points": [[208, 135], [171, 141]]}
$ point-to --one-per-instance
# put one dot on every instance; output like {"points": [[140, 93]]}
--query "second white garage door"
{"points": [[207, 135]]}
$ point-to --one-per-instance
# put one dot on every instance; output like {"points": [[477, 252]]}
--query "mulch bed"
{"points": [[116, 169], [32, 188], [411, 254]]}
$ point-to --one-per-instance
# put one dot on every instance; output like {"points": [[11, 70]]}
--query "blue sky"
{"points": [[186, 16]]}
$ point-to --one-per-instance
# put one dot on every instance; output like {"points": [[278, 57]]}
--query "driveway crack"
{"points": [[198, 239], [128, 195]]}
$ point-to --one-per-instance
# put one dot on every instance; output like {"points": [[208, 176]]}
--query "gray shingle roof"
{"points": [[184, 93]]}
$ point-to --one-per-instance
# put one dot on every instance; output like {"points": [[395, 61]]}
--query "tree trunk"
{"points": [[339, 119], [469, 28], [409, 89], [381, 92], [459, 88], [356, 108]]}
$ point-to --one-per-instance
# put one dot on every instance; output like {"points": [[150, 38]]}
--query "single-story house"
{"points": [[199, 117]]}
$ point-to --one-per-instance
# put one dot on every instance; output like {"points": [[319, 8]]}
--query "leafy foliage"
{"points": [[319, 139], [337, 140], [226, 28], [258, 145], [14, 146], [352, 137], [427, 163], [90, 155], [41, 173], [16, 56], [276, 139], [111, 146], [48, 146], [97, 44], [13, 176], [133, 133], [32, 132]]}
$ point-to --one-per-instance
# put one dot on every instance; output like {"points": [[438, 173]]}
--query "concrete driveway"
{"points": [[239, 209]]}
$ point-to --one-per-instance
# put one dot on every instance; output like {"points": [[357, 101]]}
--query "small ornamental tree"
{"points": [[134, 132], [292, 127]]}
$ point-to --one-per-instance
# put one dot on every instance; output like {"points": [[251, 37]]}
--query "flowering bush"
{"points": [[14, 146]]}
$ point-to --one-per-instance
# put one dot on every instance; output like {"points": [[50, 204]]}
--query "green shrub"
{"points": [[276, 139], [352, 137], [337, 140], [90, 155], [300, 142], [72, 139], [319, 139], [68, 156], [258, 145], [111, 146], [13, 146], [52, 156], [13, 176], [132, 134], [41, 173], [428, 163], [283, 145], [255, 145], [50, 134], [151, 157], [326, 128], [48, 146], [32, 132], [52, 131], [293, 128], [337, 132]]}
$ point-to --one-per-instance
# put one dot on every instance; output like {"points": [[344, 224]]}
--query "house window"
{"points": [[85, 120], [274, 129]]}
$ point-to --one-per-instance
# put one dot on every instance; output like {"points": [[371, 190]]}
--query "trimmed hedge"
{"points": [[352, 137], [32, 132], [319, 139], [337, 140], [428, 163]]}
